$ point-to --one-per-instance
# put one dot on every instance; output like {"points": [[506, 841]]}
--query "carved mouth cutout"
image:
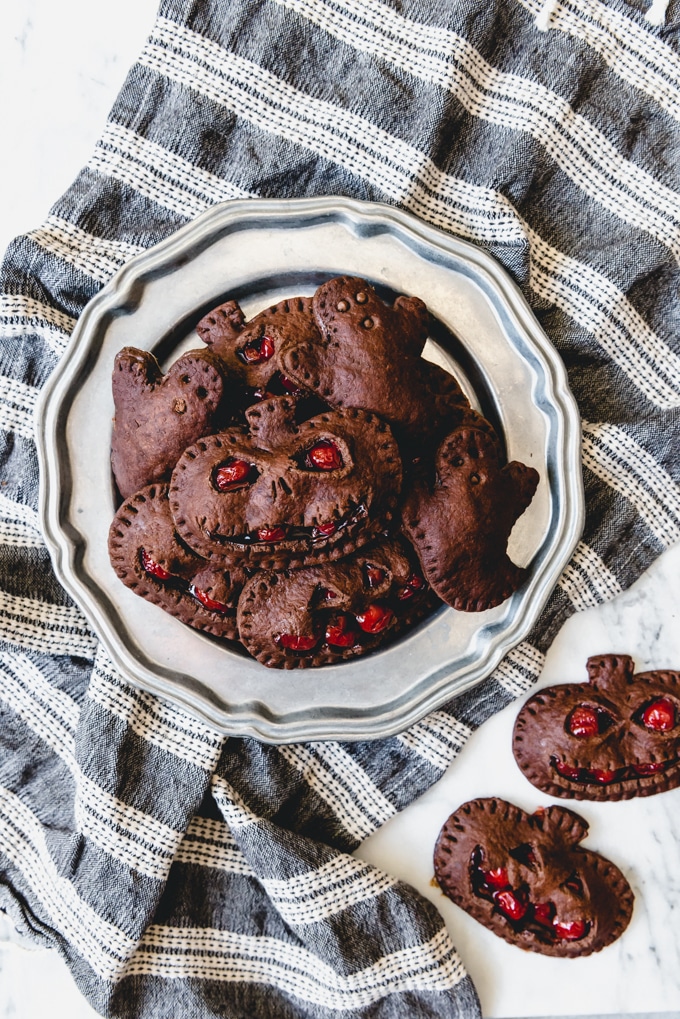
{"points": [[515, 905], [604, 776], [314, 537]]}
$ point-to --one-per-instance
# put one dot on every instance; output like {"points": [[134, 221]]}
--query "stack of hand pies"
{"points": [[308, 483]]}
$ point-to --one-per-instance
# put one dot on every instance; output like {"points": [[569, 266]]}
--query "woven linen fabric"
{"points": [[181, 874]]}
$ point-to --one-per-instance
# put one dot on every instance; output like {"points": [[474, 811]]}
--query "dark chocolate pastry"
{"points": [[368, 356], [287, 493], [525, 877], [251, 350], [157, 416], [459, 520], [612, 738], [149, 558], [327, 613]]}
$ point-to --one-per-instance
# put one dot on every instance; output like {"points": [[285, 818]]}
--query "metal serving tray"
{"points": [[260, 251]]}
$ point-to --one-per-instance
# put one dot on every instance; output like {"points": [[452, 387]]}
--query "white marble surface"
{"points": [[61, 66]]}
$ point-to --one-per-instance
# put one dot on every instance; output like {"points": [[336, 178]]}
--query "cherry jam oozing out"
{"points": [[515, 905], [257, 351], [586, 721]]}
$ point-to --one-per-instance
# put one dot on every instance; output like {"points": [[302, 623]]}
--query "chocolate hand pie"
{"points": [[158, 416], [526, 878], [460, 519], [287, 493], [251, 351], [612, 738], [368, 356], [334, 611], [149, 558]]}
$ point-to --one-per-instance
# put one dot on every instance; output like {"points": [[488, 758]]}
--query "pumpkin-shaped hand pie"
{"points": [[459, 520], [612, 738], [327, 613], [368, 356], [148, 557], [526, 878], [250, 350], [286, 493], [157, 416]]}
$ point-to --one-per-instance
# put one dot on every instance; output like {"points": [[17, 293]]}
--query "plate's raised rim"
{"points": [[359, 216]]}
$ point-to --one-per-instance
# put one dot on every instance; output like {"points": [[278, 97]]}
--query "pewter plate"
{"points": [[260, 251]]}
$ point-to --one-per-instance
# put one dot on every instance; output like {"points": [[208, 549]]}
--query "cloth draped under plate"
{"points": [[180, 874]]}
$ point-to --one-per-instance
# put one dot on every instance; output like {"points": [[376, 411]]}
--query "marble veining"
{"points": [[61, 67]]}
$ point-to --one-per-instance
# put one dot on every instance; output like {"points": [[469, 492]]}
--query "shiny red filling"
{"points": [[605, 776]]}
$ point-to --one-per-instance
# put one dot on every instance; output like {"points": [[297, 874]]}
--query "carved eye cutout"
{"points": [[458, 461], [574, 884], [524, 854], [257, 351], [233, 474], [374, 576], [475, 478], [324, 455], [658, 715], [587, 720]]}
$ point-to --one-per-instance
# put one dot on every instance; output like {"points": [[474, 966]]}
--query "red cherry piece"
{"points": [[659, 715], [258, 350], [152, 567], [329, 595], [649, 769], [374, 576], [271, 533], [497, 878], [290, 386], [583, 721], [235, 473], [570, 930], [324, 456], [296, 642], [208, 602], [325, 529], [567, 771], [601, 775], [340, 633], [375, 619], [544, 913], [509, 903]]}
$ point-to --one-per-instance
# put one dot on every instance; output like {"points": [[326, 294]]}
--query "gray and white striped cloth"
{"points": [[180, 874]]}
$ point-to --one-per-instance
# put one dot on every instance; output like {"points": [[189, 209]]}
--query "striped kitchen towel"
{"points": [[181, 874]]}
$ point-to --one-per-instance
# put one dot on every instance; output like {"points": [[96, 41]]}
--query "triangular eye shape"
{"points": [[658, 715], [325, 455]]}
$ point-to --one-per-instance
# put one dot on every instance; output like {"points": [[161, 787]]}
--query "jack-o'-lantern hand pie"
{"points": [[337, 610], [526, 878], [459, 519], [612, 738], [284, 493], [367, 355], [149, 558], [157, 416]]}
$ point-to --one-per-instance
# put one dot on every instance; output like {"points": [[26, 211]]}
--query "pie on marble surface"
{"points": [[527, 878]]}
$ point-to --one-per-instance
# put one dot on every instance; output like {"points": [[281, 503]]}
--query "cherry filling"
{"points": [[540, 918], [588, 720], [258, 350], [340, 631], [209, 603], [271, 534], [376, 618], [374, 575], [604, 776], [296, 642], [234, 474], [323, 456], [414, 585], [152, 567], [659, 715]]}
